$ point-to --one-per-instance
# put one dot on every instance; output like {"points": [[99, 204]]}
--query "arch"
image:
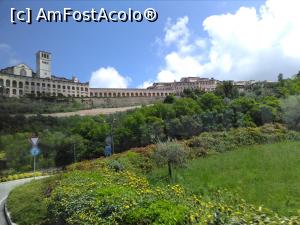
{"points": [[1, 82], [14, 83], [20, 84], [7, 83], [1, 90], [7, 91], [100, 94], [149, 94], [114, 94], [105, 94], [14, 91], [20, 92], [23, 72], [127, 94]]}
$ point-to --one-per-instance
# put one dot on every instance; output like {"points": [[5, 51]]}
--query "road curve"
{"points": [[5, 188]]}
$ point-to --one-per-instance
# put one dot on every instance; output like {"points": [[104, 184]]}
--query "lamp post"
{"points": [[112, 134]]}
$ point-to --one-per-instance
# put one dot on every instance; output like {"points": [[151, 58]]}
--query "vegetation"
{"points": [[64, 140], [170, 153], [29, 200], [116, 189], [261, 174], [20, 176], [45, 104]]}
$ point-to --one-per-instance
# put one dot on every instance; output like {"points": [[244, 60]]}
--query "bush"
{"points": [[230, 140], [115, 165], [170, 153], [125, 198]]}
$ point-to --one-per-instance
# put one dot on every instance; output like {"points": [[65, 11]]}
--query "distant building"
{"points": [[205, 84], [21, 80]]}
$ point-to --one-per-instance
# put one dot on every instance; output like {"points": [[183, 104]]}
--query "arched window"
{"points": [[14, 83], [14, 91], [1, 82], [23, 72], [20, 92], [7, 83], [20, 84]]}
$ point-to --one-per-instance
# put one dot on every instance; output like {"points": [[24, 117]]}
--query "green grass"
{"points": [[266, 175], [27, 204]]}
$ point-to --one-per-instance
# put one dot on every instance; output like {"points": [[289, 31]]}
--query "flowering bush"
{"points": [[107, 197], [20, 176]]}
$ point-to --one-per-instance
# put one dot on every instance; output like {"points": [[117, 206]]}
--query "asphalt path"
{"points": [[5, 188]]}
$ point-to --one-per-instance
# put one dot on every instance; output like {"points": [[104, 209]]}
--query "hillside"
{"points": [[116, 190]]}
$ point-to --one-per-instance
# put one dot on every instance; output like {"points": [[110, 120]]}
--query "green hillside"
{"points": [[266, 175]]}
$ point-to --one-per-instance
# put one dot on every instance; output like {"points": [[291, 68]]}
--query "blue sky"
{"points": [[134, 53]]}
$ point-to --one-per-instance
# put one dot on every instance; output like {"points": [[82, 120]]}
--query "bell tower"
{"points": [[43, 64]]}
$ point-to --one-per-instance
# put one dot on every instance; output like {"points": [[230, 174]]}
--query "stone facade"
{"points": [[21, 80], [17, 86], [128, 92], [177, 87]]}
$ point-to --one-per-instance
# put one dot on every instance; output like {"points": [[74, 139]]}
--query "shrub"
{"points": [[171, 153], [229, 140], [115, 165]]}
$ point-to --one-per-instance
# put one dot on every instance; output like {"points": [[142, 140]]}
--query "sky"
{"points": [[227, 40]]}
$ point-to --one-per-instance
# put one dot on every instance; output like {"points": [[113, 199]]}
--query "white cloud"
{"points": [[178, 66], [178, 32], [7, 55], [108, 77], [145, 84], [249, 44]]}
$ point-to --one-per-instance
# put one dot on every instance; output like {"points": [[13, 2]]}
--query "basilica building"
{"points": [[21, 80]]}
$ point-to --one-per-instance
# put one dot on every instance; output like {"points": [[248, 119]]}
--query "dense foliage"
{"points": [[65, 140], [116, 190]]}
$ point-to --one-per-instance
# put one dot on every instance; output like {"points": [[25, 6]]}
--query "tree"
{"points": [[171, 153], [227, 89], [211, 102], [184, 126], [169, 99], [291, 112]]}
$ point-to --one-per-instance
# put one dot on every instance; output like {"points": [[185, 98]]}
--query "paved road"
{"points": [[89, 112], [5, 188]]}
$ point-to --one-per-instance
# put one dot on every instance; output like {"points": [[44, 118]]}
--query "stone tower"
{"points": [[43, 64]]}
